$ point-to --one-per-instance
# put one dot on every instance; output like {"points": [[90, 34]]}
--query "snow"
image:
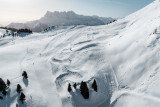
{"points": [[123, 57], [61, 18], [2, 31]]}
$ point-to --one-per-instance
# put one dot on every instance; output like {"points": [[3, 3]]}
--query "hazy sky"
{"points": [[25, 10]]}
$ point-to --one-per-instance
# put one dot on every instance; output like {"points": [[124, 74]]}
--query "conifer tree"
{"points": [[75, 85], [94, 85], [22, 97], [24, 74], [84, 90], [69, 87], [8, 82], [19, 88], [3, 85]]}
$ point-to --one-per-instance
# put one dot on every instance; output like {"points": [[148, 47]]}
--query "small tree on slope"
{"points": [[94, 85], [69, 87], [25, 74], [19, 88], [75, 85], [84, 90], [8, 83], [22, 97], [2, 85]]}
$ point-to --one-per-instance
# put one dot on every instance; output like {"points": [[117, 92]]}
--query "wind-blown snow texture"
{"points": [[61, 18], [123, 57]]}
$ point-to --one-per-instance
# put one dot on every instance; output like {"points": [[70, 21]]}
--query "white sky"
{"points": [[23, 10]]}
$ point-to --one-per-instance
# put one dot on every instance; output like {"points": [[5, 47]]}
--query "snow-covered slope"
{"points": [[123, 57], [61, 18], [2, 31]]}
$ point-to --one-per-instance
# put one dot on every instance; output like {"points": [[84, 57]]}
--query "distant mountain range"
{"points": [[61, 18]]}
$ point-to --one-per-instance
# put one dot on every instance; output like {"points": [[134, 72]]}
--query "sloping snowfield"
{"points": [[2, 31], [123, 57]]}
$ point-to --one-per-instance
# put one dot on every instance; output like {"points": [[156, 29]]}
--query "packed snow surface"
{"points": [[123, 57]]}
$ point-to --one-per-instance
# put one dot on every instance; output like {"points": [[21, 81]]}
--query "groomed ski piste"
{"points": [[123, 57]]}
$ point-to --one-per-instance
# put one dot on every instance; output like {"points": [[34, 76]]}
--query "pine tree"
{"points": [[19, 88], [94, 85], [8, 83], [84, 90], [75, 85], [24, 74], [4, 92], [22, 97], [2, 85], [69, 87]]}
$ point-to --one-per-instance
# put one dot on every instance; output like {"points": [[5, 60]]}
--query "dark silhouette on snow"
{"points": [[25, 78], [69, 87], [2, 85], [24, 31], [94, 85], [8, 83], [24, 74], [84, 90], [22, 98], [19, 88], [4, 92], [75, 85]]}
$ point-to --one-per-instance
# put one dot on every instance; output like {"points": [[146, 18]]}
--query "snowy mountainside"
{"points": [[2, 31], [61, 18], [51, 64], [123, 57]]}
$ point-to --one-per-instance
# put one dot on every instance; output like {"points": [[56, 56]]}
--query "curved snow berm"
{"points": [[123, 57], [61, 18]]}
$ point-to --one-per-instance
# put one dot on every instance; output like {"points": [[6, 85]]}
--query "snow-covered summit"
{"points": [[61, 18], [60, 14]]}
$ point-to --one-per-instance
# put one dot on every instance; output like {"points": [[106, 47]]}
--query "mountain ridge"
{"points": [[61, 19]]}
